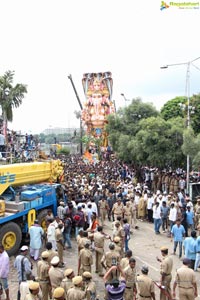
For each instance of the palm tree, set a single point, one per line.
(10, 96)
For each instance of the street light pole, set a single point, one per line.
(188, 64)
(188, 123)
(125, 99)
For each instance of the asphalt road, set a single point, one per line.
(145, 245)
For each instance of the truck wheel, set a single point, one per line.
(11, 237)
(41, 218)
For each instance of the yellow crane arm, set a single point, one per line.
(27, 173)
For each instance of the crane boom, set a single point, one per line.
(77, 96)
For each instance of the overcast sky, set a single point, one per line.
(44, 41)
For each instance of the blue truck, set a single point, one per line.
(22, 203)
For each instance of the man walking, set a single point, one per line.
(103, 210)
(85, 259)
(23, 266)
(145, 285)
(166, 264)
(36, 233)
(43, 275)
(157, 218)
(189, 246)
(186, 281)
(130, 277)
(99, 238)
(60, 242)
(178, 233)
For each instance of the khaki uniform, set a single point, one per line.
(32, 297)
(103, 209)
(166, 183)
(52, 253)
(107, 261)
(121, 234)
(155, 183)
(81, 241)
(197, 214)
(117, 210)
(165, 270)
(171, 185)
(99, 250)
(159, 182)
(56, 275)
(75, 293)
(66, 284)
(43, 278)
(176, 185)
(145, 287)
(59, 243)
(86, 260)
(90, 290)
(185, 278)
(134, 214)
(128, 212)
(118, 248)
(130, 276)
(141, 208)
(124, 262)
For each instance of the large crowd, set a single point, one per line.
(110, 191)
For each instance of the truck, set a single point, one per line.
(27, 192)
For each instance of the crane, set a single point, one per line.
(81, 107)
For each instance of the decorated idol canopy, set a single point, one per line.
(98, 105)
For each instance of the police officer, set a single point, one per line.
(85, 259)
(119, 232)
(145, 285)
(99, 238)
(66, 283)
(76, 292)
(166, 264)
(60, 242)
(34, 289)
(128, 212)
(43, 275)
(51, 252)
(59, 294)
(90, 286)
(116, 241)
(124, 262)
(109, 259)
(186, 281)
(103, 209)
(56, 274)
(130, 277)
(118, 209)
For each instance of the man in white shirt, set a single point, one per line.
(157, 217)
(94, 206)
(172, 215)
(150, 203)
(51, 233)
(189, 203)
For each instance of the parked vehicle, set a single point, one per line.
(27, 191)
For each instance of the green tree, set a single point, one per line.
(195, 113)
(179, 107)
(191, 147)
(127, 119)
(172, 108)
(10, 96)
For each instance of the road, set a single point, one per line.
(145, 245)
